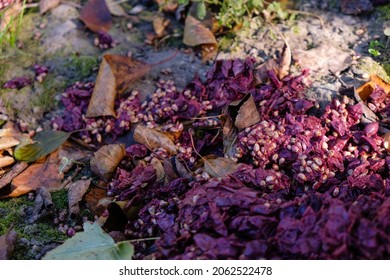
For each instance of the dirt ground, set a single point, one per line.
(333, 45)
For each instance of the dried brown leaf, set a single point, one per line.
(15, 171)
(115, 8)
(75, 195)
(197, 34)
(365, 90)
(126, 70)
(284, 62)
(96, 16)
(243, 112)
(7, 244)
(6, 161)
(157, 165)
(47, 5)
(280, 66)
(220, 167)
(38, 175)
(96, 200)
(380, 82)
(104, 93)
(8, 142)
(386, 141)
(159, 26)
(153, 139)
(69, 154)
(106, 159)
(116, 73)
(229, 136)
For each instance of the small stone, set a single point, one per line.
(360, 32)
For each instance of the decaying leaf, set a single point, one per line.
(8, 142)
(106, 159)
(365, 90)
(160, 23)
(126, 70)
(96, 16)
(157, 165)
(75, 195)
(174, 168)
(43, 205)
(280, 66)
(153, 139)
(47, 5)
(91, 244)
(229, 136)
(220, 167)
(386, 141)
(96, 200)
(6, 161)
(167, 5)
(38, 175)
(197, 34)
(15, 171)
(116, 73)
(324, 58)
(7, 244)
(380, 82)
(243, 112)
(115, 8)
(237, 116)
(44, 143)
(69, 154)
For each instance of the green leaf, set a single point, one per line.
(91, 244)
(201, 13)
(44, 143)
(374, 52)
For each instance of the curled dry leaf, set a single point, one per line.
(237, 116)
(116, 73)
(380, 82)
(115, 8)
(8, 142)
(386, 141)
(159, 25)
(153, 139)
(96, 200)
(280, 66)
(6, 161)
(15, 171)
(7, 244)
(106, 159)
(75, 195)
(96, 16)
(243, 112)
(47, 5)
(38, 175)
(43, 205)
(220, 167)
(157, 165)
(174, 168)
(197, 34)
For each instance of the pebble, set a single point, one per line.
(360, 32)
(136, 9)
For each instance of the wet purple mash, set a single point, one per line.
(310, 187)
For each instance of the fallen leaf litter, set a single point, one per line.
(299, 186)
